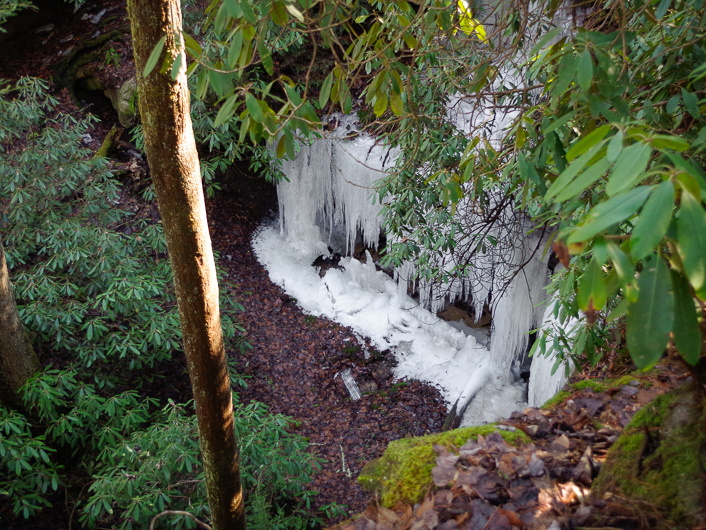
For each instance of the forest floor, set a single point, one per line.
(294, 367)
(296, 359)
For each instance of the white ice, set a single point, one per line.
(330, 199)
(427, 348)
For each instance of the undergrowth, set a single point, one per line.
(93, 288)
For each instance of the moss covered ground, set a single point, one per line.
(403, 473)
(597, 385)
(660, 459)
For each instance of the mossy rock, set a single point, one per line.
(124, 100)
(403, 473)
(660, 459)
(597, 385)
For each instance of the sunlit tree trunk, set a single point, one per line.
(17, 358)
(174, 166)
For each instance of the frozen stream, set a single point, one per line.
(327, 202)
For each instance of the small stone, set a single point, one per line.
(583, 472)
(629, 390)
(561, 444)
(368, 387)
(508, 428)
(95, 19)
(532, 413)
(531, 429)
(536, 466)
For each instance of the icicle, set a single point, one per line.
(542, 383)
(350, 383)
(331, 185)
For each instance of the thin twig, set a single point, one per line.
(165, 513)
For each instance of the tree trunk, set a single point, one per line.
(174, 166)
(17, 358)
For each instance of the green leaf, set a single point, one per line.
(687, 336)
(615, 146)
(281, 148)
(279, 13)
(653, 221)
(584, 180)
(293, 95)
(662, 8)
(233, 8)
(176, 65)
(560, 121)
(584, 75)
(325, 90)
(663, 141)
(236, 47)
(202, 83)
(344, 97)
(650, 317)
(527, 172)
(691, 234)
(609, 213)
(587, 142)
(548, 36)
(253, 106)
(295, 13)
(410, 41)
(219, 83)
(396, 104)
(698, 72)
(191, 45)
(565, 178)
(672, 105)
(691, 103)
(629, 168)
(154, 57)
(265, 57)
(688, 167)
(248, 12)
(226, 111)
(592, 293)
(621, 263)
(566, 71)
(380, 104)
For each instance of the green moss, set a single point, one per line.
(102, 151)
(403, 473)
(597, 385)
(557, 399)
(659, 459)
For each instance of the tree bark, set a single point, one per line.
(17, 358)
(174, 166)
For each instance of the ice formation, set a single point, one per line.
(331, 186)
(329, 198)
(549, 374)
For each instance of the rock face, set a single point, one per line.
(124, 100)
(404, 472)
(659, 461)
(454, 313)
